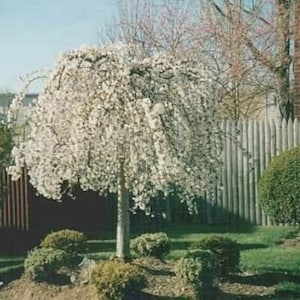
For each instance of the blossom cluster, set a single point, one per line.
(101, 106)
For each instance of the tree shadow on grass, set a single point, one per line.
(265, 279)
(252, 246)
(178, 230)
(180, 245)
(185, 245)
(12, 274)
(288, 294)
(276, 296)
(100, 246)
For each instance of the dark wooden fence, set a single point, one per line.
(14, 209)
(26, 217)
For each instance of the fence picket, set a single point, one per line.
(240, 183)
(284, 129)
(296, 132)
(224, 181)
(246, 171)
(256, 212)
(290, 134)
(234, 174)
(251, 173)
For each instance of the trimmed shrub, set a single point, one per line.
(43, 264)
(200, 269)
(151, 244)
(116, 279)
(71, 241)
(226, 249)
(279, 187)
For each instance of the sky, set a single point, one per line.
(34, 32)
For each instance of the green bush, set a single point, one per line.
(225, 249)
(279, 187)
(43, 264)
(200, 269)
(151, 244)
(71, 241)
(116, 279)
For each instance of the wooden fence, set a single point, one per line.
(248, 148)
(14, 210)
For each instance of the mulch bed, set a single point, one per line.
(162, 284)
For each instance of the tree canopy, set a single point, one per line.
(107, 119)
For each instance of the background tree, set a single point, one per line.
(245, 44)
(112, 122)
(263, 30)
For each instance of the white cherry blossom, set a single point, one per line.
(107, 119)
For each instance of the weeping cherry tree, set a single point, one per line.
(110, 121)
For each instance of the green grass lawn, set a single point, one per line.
(276, 259)
(248, 237)
(11, 267)
(260, 249)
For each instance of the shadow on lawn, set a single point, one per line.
(180, 245)
(265, 279)
(100, 246)
(185, 245)
(252, 246)
(110, 246)
(177, 231)
(12, 274)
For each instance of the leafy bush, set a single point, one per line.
(279, 187)
(116, 279)
(151, 244)
(71, 241)
(200, 269)
(43, 264)
(226, 249)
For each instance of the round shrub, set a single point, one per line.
(200, 269)
(116, 279)
(226, 249)
(151, 244)
(279, 187)
(43, 264)
(71, 241)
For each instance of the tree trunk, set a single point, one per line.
(123, 220)
(285, 97)
(282, 71)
